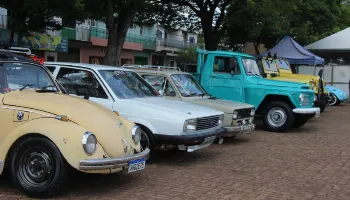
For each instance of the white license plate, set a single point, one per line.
(246, 130)
(317, 114)
(137, 165)
(208, 140)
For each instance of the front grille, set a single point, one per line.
(208, 122)
(243, 113)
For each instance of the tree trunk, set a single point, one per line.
(256, 47)
(117, 30)
(211, 39)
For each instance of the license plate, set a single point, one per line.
(208, 141)
(246, 130)
(137, 165)
(317, 114)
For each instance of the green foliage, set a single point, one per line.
(187, 56)
(266, 22)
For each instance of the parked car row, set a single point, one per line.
(102, 119)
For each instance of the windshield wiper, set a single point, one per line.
(25, 86)
(44, 89)
(191, 95)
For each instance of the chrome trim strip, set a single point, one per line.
(111, 163)
(9, 108)
(1, 166)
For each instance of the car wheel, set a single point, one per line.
(334, 100)
(300, 120)
(148, 141)
(37, 167)
(278, 116)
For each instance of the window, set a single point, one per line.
(270, 65)
(283, 64)
(17, 75)
(160, 82)
(91, 22)
(51, 69)
(251, 67)
(226, 65)
(50, 58)
(141, 30)
(187, 85)
(80, 83)
(127, 84)
(192, 40)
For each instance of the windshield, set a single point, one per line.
(187, 85)
(250, 66)
(127, 84)
(283, 64)
(270, 65)
(15, 76)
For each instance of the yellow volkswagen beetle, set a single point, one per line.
(44, 131)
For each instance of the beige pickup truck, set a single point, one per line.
(174, 84)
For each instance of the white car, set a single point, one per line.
(164, 122)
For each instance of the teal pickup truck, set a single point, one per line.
(235, 76)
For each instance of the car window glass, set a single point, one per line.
(80, 83)
(17, 75)
(160, 82)
(270, 65)
(51, 69)
(226, 65)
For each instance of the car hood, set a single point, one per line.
(304, 77)
(155, 105)
(282, 83)
(93, 117)
(218, 104)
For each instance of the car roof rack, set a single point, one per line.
(159, 68)
(18, 50)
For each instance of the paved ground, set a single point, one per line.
(309, 163)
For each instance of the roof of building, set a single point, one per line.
(339, 42)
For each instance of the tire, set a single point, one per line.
(300, 120)
(148, 140)
(334, 100)
(278, 116)
(37, 167)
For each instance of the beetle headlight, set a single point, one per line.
(190, 125)
(136, 134)
(221, 120)
(89, 143)
(252, 112)
(235, 115)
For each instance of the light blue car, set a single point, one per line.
(337, 95)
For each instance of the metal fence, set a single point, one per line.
(336, 75)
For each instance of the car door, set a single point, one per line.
(85, 84)
(226, 79)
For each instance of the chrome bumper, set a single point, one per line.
(235, 130)
(315, 111)
(111, 163)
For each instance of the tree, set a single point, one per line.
(189, 55)
(266, 22)
(118, 16)
(26, 16)
(205, 15)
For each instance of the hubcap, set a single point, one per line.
(35, 167)
(333, 100)
(277, 117)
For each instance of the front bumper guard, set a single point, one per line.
(235, 130)
(112, 163)
(315, 111)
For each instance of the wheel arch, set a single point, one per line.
(273, 97)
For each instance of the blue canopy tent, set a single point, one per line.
(296, 54)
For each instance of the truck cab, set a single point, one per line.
(235, 76)
(278, 68)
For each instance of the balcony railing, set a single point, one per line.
(167, 42)
(3, 21)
